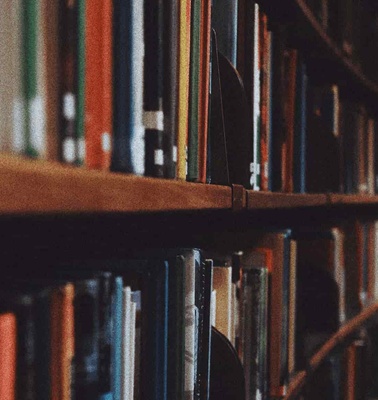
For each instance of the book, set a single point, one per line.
(62, 341)
(128, 153)
(8, 348)
(222, 285)
(153, 116)
(183, 87)
(68, 110)
(170, 87)
(254, 318)
(98, 84)
(12, 118)
(194, 92)
(116, 357)
(203, 121)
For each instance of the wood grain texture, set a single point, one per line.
(338, 338)
(274, 200)
(42, 187)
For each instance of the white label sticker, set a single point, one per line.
(174, 154)
(37, 124)
(69, 106)
(18, 126)
(159, 157)
(106, 142)
(69, 150)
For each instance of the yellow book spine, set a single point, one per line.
(183, 97)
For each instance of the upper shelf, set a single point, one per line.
(309, 35)
(39, 187)
(29, 186)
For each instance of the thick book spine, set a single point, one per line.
(153, 88)
(128, 51)
(8, 348)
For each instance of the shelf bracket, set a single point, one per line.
(239, 197)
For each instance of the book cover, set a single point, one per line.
(8, 349)
(116, 356)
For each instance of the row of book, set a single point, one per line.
(184, 90)
(175, 323)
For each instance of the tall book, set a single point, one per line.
(98, 84)
(128, 152)
(153, 88)
(194, 92)
(183, 88)
(62, 342)
(8, 348)
(254, 320)
(12, 119)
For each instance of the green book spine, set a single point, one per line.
(194, 91)
(30, 16)
(80, 83)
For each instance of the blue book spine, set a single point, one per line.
(117, 341)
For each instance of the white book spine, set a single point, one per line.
(126, 343)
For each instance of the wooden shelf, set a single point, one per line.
(42, 187)
(30, 187)
(338, 338)
(271, 200)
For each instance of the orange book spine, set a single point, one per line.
(98, 84)
(204, 87)
(62, 342)
(8, 350)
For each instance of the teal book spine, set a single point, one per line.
(117, 340)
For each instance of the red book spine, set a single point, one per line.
(98, 84)
(7, 356)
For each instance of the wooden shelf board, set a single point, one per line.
(29, 186)
(339, 337)
(271, 200)
(353, 199)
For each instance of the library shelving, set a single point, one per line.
(214, 263)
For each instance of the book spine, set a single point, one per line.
(193, 154)
(183, 98)
(86, 305)
(170, 89)
(62, 342)
(98, 84)
(68, 54)
(153, 88)
(80, 120)
(117, 338)
(204, 89)
(8, 347)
